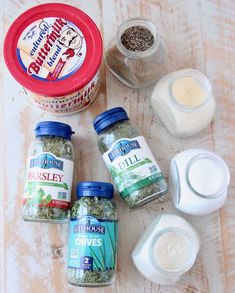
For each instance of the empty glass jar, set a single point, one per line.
(138, 56)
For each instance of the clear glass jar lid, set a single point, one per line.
(207, 175)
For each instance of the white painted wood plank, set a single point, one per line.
(198, 34)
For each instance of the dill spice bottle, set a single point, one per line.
(49, 176)
(128, 158)
(92, 254)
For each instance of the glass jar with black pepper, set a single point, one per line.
(92, 253)
(49, 175)
(138, 55)
(128, 158)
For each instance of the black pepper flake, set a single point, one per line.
(137, 39)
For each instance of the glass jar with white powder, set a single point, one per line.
(184, 102)
(167, 250)
(199, 181)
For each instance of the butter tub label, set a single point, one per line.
(75, 102)
(132, 165)
(48, 181)
(92, 244)
(51, 49)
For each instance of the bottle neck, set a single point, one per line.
(51, 137)
(142, 22)
(110, 126)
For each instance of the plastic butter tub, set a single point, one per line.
(54, 51)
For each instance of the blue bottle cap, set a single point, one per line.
(53, 128)
(108, 118)
(93, 188)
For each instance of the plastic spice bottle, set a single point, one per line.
(92, 255)
(167, 250)
(128, 158)
(49, 176)
(138, 55)
(199, 181)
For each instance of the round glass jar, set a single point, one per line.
(137, 69)
(54, 51)
(92, 255)
(184, 102)
(167, 250)
(128, 158)
(49, 176)
(199, 181)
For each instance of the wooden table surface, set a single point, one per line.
(198, 34)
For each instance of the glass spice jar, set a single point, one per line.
(49, 176)
(167, 250)
(138, 55)
(184, 102)
(128, 158)
(199, 181)
(92, 254)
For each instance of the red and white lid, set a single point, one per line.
(53, 49)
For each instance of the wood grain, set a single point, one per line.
(198, 34)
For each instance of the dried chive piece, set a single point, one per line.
(137, 39)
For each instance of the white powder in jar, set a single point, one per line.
(188, 92)
(172, 251)
(206, 176)
(167, 250)
(184, 102)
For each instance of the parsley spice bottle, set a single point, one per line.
(127, 156)
(49, 174)
(92, 254)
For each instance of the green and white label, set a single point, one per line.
(48, 181)
(132, 165)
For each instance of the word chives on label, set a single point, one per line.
(92, 255)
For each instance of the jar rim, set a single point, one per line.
(187, 265)
(220, 164)
(137, 21)
(200, 78)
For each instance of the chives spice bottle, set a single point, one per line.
(49, 176)
(92, 254)
(128, 158)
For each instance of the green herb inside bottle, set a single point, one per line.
(93, 236)
(129, 159)
(49, 174)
